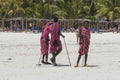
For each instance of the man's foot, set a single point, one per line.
(43, 62)
(54, 64)
(76, 66)
(47, 62)
(52, 60)
(85, 65)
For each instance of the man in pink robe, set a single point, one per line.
(55, 42)
(84, 42)
(44, 41)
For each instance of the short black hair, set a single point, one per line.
(55, 19)
(86, 22)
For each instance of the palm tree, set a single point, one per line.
(69, 8)
(37, 9)
(3, 8)
(16, 9)
(109, 8)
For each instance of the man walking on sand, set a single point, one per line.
(44, 40)
(55, 42)
(84, 42)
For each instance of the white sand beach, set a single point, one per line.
(20, 52)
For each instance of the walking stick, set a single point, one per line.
(39, 61)
(67, 52)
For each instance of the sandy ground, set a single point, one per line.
(19, 54)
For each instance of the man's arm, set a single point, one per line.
(61, 34)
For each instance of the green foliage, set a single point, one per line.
(91, 17)
(64, 8)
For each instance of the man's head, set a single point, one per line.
(55, 19)
(86, 23)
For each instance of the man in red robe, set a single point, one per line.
(84, 42)
(55, 42)
(44, 42)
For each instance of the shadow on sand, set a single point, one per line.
(5, 61)
(63, 65)
(92, 65)
(66, 65)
